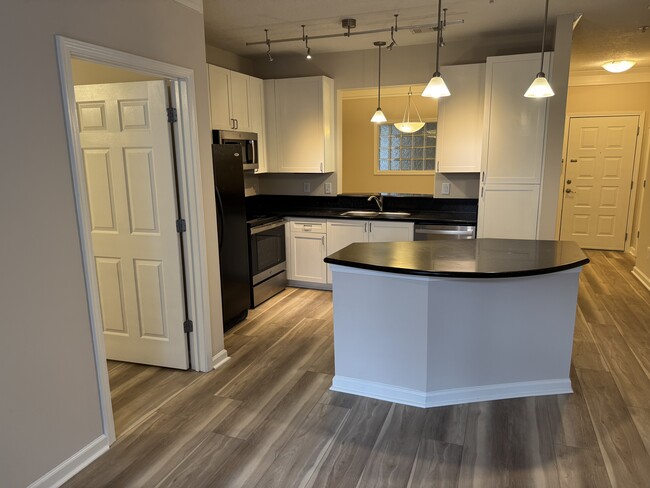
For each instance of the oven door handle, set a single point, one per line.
(263, 228)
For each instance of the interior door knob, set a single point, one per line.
(568, 190)
(568, 182)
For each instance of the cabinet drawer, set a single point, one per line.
(317, 227)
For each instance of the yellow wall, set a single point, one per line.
(359, 145)
(89, 73)
(601, 99)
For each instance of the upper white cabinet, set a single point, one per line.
(256, 106)
(229, 99)
(300, 125)
(513, 142)
(513, 148)
(460, 120)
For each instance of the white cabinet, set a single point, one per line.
(300, 125)
(229, 99)
(342, 233)
(256, 105)
(307, 250)
(460, 120)
(513, 148)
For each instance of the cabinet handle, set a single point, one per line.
(370, 225)
(236, 124)
(482, 188)
(322, 239)
(232, 123)
(322, 170)
(365, 227)
(483, 176)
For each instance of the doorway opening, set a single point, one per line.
(134, 154)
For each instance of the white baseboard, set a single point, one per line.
(427, 399)
(632, 251)
(307, 284)
(220, 358)
(71, 466)
(642, 277)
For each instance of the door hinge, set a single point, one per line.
(631, 184)
(188, 326)
(172, 115)
(644, 183)
(638, 130)
(638, 234)
(181, 226)
(626, 236)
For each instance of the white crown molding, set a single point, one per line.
(193, 4)
(602, 77)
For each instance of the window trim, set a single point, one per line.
(392, 172)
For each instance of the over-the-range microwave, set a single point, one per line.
(247, 141)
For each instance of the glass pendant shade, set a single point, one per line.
(618, 66)
(406, 125)
(436, 88)
(539, 88)
(378, 117)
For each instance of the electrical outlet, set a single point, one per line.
(446, 188)
(328, 188)
(306, 187)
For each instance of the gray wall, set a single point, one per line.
(49, 403)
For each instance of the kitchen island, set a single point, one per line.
(431, 323)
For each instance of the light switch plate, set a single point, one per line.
(328, 188)
(446, 188)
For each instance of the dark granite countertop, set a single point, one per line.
(472, 258)
(422, 209)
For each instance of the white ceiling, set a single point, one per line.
(608, 29)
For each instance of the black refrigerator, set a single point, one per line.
(232, 232)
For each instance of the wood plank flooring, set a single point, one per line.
(267, 418)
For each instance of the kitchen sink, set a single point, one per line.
(370, 214)
(360, 213)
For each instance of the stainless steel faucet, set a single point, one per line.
(379, 200)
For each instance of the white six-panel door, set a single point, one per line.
(126, 147)
(597, 186)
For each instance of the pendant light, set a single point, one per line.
(540, 88)
(379, 116)
(406, 125)
(437, 87)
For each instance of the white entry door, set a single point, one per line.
(127, 154)
(598, 178)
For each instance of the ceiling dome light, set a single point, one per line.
(539, 88)
(619, 66)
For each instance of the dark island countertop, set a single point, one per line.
(471, 258)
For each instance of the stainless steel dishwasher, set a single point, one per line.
(430, 232)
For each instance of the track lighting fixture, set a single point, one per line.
(393, 29)
(268, 45)
(437, 87)
(379, 116)
(540, 87)
(306, 39)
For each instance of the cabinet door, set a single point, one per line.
(307, 254)
(513, 142)
(460, 120)
(342, 233)
(256, 107)
(299, 121)
(219, 98)
(270, 127)
(239, 110)
(382, 231)
(508, 212)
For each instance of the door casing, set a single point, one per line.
(190, 196)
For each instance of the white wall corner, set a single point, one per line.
(219, 359)
(71, 466)
(193, 4)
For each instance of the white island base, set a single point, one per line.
(429, 341)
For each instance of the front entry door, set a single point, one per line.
(598, 178)
(125, 140)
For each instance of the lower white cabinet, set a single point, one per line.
(508, 211)
(342, 233)
(306, 251)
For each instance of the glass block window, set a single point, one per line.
(398, 151)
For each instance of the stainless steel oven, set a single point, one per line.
(267, 259)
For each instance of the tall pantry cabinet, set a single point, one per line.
(513, 148)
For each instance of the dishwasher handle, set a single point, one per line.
(445, 232)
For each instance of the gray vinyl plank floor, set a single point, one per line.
(266, 418)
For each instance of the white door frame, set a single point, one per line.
(635, 169)
(191, 202)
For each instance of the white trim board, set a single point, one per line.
(220, 358)
(642, 277)
(193, 4)
(441, 398)
(190, 201)
(71, 466)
